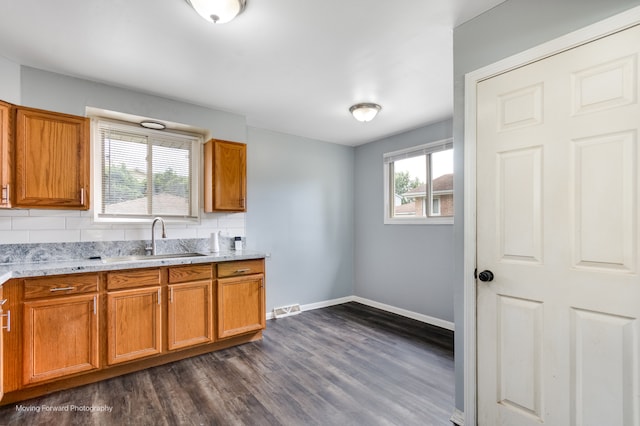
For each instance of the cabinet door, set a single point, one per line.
(52, 160)
(225, 176)
(13, 341)
(190, 314)
(5, 155)
(240, 305)
(60, 337)
(134, 324)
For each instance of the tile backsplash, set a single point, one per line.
(67, 226)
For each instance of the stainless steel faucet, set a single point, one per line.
(153, 234)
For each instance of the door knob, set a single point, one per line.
(486, 276)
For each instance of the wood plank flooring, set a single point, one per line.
(348, 364)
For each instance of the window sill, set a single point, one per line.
(124, 220)
(419, 221)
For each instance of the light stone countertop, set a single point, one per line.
(76, 266)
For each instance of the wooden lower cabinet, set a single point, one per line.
(241, 306)
(134, 324)
(60, 337)
(80, 328)
(190, 314)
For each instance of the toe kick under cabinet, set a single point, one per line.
(63, 331)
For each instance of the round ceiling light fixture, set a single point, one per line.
(218, 11)
(147, 124)
(365, 111)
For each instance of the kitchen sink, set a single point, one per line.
(138, 257)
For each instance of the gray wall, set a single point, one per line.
(509, 28)
(405, 266)
(300, 195)
(9, 81)
(56, 92)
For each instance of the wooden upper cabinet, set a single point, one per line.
(52, 160)
(5, 154)
(225, 176)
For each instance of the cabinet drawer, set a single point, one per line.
(60, 285)
(181, 274)
(133, 278)
(241, 267)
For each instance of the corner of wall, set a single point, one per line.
(9, 81)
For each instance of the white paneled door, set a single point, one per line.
(557, 218)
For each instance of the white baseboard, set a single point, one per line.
(405, 313)
(327, 303)
(457, 418)
(448, 325)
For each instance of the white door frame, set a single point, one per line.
(600, 29)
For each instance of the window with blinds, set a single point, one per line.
(418, 184)
(145, 173)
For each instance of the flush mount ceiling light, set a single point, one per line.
(218, 11)
(365, 111)
(152, 125)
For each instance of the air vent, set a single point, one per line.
(286, 311)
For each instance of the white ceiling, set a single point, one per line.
(293, 66)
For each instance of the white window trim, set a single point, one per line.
(396, 155)
(96, 151)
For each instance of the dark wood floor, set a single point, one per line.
(343, 365)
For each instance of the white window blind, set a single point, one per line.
(146, 173)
